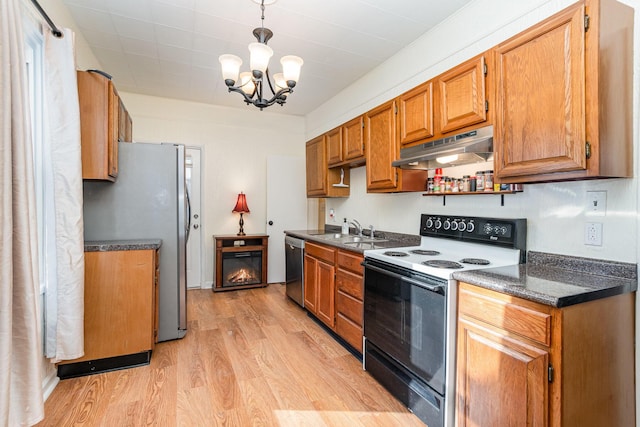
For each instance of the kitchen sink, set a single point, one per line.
(350, 239)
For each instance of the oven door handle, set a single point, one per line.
(437, 289)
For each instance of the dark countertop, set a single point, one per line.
(327, 237)
(121, 245)
(557, 280)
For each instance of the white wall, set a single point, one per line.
(555, 212)
(235, 145)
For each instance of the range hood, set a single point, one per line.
(465, 148)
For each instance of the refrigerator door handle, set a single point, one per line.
(186, 192)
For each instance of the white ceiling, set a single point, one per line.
(170, 48)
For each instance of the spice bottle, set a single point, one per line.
(480, 181)
(465, 183)
(429, 185)
(488, 180)
(472, 183)
(437, 180)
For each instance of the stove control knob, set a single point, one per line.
(447, 224)
(470, 227)
(429, 222)
(462, 226)
(503, 230)
(438, 223)
(454, 225)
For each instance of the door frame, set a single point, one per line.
(203, 283)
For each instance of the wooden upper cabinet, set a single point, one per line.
(564, 97)
(334, 146)
(104, 121)
(462, 96)
(353, 140)
(383, 147)
(345, 144)
(320, 178)
(416, 114)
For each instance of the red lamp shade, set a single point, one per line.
(241, 208)
(241, 204)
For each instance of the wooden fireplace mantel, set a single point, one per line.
(235, 243)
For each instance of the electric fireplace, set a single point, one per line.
(241, 262)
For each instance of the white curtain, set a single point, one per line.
(21, 401)
(64, 245)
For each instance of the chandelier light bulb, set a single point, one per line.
(279, 80)
(260, 55)
(246, 83)
(291, 66)
(230, 67)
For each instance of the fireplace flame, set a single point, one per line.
(242, 276)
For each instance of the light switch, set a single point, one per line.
(596, 203)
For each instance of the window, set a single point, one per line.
(34, 44)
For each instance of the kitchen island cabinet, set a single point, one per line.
(564, 97)
(524, 363)
(120, 306)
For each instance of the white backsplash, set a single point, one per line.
(556, 213)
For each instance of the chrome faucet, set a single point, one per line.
(357, 226)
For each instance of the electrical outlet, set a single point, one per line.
(593, 234)
(596, 203)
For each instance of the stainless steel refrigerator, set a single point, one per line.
(148, 201)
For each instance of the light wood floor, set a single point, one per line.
(250, 358)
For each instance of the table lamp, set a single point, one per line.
(241, 208)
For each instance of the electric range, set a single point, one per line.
(410, 306)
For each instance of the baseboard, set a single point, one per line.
(49, 383)
(207, 285)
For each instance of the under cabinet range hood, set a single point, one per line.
(470, 147)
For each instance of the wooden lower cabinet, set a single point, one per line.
(349, 296)
(334, 289)
(120, 303)
(521, 363)
(319, 282)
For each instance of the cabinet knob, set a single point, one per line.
(270, 223)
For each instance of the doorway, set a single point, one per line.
(193, 178)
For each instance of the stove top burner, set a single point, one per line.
(441, 263)
(475, 261)
(424, 252)
(396, 253)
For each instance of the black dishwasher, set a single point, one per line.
(294, 275)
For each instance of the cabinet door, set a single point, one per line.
(310, 283)
(462, 95)
(316, 167)
(540, 118)
(416, 114)
(325, 281)
(112, 132)
(382, 147)
(353, 139)
(500, 381)
(334, 146)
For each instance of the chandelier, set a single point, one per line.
(253, 85)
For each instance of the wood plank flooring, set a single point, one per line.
(250, 358)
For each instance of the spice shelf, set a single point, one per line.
(472, 193)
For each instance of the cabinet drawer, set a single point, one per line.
(350, 261)
(349, 331)
(321, 252)
(520, 317)
(350, 283)
(349, 307)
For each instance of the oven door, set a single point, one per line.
(405, 317)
